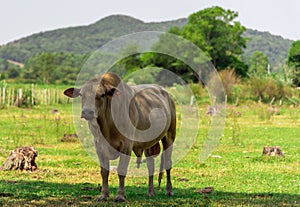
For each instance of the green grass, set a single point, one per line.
(240, 175)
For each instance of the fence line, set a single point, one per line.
(30, 95)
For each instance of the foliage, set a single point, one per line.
(181, 93)
(58, 68)
(129, 64)
(80, 40)
(200, 93)
(294, 61)
(86, 39)
(9, 71)
(169, 63)
(215, 31)
(294, 54)
(266, 88)
(285, 74)
(258, 64)
(229, 78)
(57, 56)
(274, 47)
(143, 76)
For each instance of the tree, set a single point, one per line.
(294, 61)
(129, 64)
(258, 64)
(215, 31)
(40, 67)
(55, 68)
(3, 65)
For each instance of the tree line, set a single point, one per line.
(45, 68)
(214, 30)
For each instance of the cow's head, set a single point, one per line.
(96, 94)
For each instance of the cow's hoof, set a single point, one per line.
(150, 194)
(120, 199)
(102, 198)
(169, 193)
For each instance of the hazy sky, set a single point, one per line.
(20, 18)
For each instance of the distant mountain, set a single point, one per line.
(84, 39)
(275, 47)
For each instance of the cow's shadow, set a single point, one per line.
(40, 193)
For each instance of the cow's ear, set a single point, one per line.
(113, 92)
(72, 92)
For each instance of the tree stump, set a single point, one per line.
(273, 151)
(22, 158)
(70, 138)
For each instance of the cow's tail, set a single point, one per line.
(161, 169)
(138, 162)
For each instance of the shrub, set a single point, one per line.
(198, 91)
(181, 93)
(229, 78)
(266, 88)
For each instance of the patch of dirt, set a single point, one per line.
(70, 138)
(206, 190)
(273, 151)
(6, 195)
(182, 179)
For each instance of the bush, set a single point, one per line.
(229, 78)
(181, 93)
(143, 76)
(266, 88)
(198, 91)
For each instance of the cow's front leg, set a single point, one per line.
(122, 171)
(104, 191)
(100, 144)
(104, 163)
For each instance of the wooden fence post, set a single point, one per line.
(20, 95)
(45, 96)
(3, 96)
(32, 94)
(8, 97)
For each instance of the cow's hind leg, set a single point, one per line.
(150, 166)
(168, 147)
(161, 169)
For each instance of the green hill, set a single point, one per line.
(275, 47)
(84, 39)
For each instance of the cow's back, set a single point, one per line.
(153, 99)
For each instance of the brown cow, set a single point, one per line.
(126, 118)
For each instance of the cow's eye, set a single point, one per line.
(100, 96)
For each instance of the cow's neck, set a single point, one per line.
(107, 122)
(105, 119)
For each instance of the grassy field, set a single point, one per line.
(237, 171)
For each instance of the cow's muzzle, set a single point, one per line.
(88, 114)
